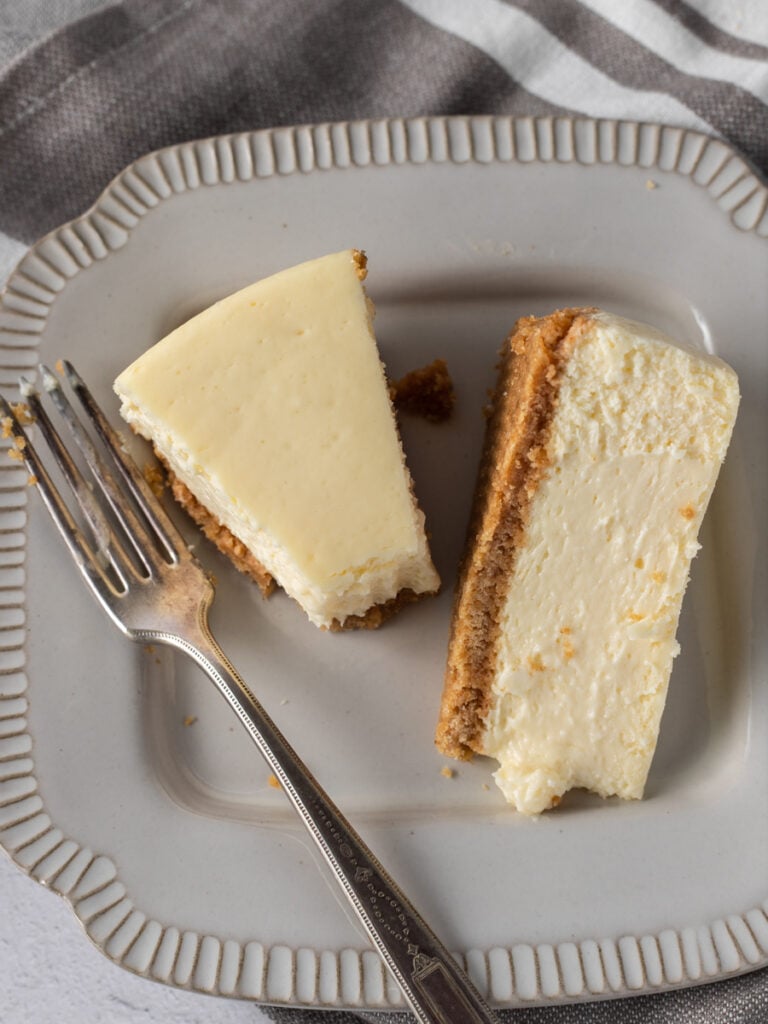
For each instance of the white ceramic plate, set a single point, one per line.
(179, 858)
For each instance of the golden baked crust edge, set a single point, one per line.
(512, 465)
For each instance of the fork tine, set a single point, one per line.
(143, 542)
(107, 543)
(167, 532)
(82, 553)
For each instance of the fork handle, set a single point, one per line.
(436, 988)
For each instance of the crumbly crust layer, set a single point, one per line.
(378, 614)
(512, 465)
(221, 536)
(361, 263)
(243, 560)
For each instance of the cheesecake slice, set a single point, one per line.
(271, 412)
(601, 453)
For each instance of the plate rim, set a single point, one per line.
(524, 974)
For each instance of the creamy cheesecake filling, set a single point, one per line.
(584, 635)
(579, 691)
(272, 408)
(510, 470)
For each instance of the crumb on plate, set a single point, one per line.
(426, 392)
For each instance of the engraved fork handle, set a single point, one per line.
(436, 988)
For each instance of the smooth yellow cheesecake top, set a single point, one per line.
(272, 407)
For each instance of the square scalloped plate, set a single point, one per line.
(126, 785)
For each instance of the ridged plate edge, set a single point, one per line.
(523, 974)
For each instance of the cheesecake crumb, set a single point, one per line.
(190, 720)
(426, 392)
(155, 478)
(274, 782)
(59, 366)
(31, 480)
(447, 773)
(651, 184)
(23, 413)
(149, 648)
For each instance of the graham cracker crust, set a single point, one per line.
(512, 465)
(243, 560)
(378, 614)
(220, 535)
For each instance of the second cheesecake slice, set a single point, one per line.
(601, 454)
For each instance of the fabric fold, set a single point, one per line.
(135, 75)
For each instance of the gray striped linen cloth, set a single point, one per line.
(87, 86)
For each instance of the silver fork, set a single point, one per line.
(142, 573)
